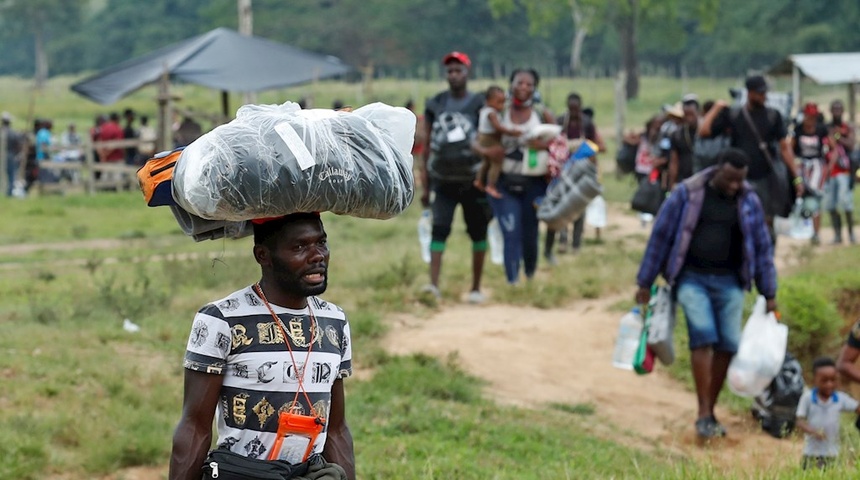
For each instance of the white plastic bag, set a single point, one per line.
(275, 160)
(661, 335)
(595, 213)
(760, 354)
(796, 225)
(425, 234)
(496, 241)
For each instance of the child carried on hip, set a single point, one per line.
(490, 131)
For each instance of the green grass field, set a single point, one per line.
(81, 398)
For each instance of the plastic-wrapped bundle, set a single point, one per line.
(275, 160)
(568, 196)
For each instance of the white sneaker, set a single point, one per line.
(476, 297)
(432, 289)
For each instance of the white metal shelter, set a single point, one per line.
(823, 69)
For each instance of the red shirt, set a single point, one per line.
(843, 130)
(112, 131)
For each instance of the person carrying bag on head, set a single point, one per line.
(268, 362)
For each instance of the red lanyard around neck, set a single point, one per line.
(300, 373)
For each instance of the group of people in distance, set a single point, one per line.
(713, 237)
(819, 155)
(27, 150)
(502, 187)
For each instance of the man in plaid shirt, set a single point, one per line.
(710, 242)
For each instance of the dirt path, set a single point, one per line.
(532, 358)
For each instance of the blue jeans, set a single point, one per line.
(11, 173)
(838, 194)
(713, 305)
(518, 220)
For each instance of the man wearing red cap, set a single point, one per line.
(809, 143)
(451, 119)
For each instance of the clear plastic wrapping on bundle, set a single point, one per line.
(276, 160)
(568, 196)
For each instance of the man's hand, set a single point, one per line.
(720, 104)
(643, 296)
(799, 189)
(770, 305)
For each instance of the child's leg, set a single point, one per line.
(495, 169)
(482, 173)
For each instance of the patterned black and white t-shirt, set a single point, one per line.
(237, 337)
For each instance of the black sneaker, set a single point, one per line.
(718, 427)
(706, 427)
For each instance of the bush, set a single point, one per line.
(811, 316)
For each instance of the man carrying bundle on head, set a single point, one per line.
(268, 362)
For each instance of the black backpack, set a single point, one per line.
(776, 407)
(451, 137)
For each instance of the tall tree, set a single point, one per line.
(623, 16)
(38, 18)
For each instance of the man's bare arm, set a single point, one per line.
(338, 446)
(708, 121)
(846, 363)
(193, 434)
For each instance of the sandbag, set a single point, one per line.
(276, 160)
(568, 196)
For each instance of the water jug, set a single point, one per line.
(629, 333)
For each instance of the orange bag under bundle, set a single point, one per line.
(156, 176)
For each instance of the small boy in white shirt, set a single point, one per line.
(818, 415)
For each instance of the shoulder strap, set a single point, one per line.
(761, 145)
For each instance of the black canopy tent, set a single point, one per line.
(221, 59)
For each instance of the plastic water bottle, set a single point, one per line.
(425, 228)
(629, 332)
(496, 241)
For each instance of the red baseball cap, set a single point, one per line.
(457, 57)
(810, 109)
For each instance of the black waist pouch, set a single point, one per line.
(223, 464)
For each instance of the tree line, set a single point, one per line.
(407, 38)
